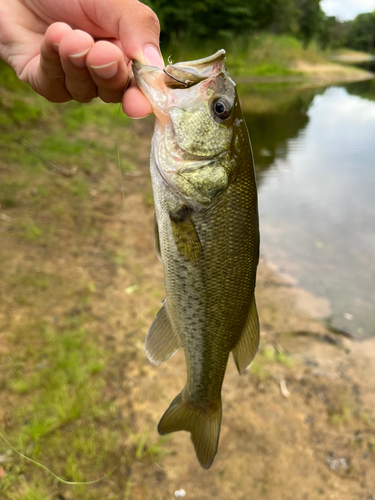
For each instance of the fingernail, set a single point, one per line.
(79, 59)
(56, 46)
(106, 71)
(139, 117)
(153, 56)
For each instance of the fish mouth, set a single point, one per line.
(188, 72)
(156, 83)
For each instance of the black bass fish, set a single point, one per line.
(206, 236)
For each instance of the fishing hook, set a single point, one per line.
(176, 79)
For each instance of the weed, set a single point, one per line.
(21, 112)
(30, 231)
(270, 353)
(126, 165)
(258, 370)
(143, 449)
(9, 80)
(9, 193)
(148, 197)
(78, 115)
(371, 444)
(342, 409)
(79, 188)
(31, 492)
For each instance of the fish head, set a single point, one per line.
(197, 123)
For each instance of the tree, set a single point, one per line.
(310, 19)
(333, 33)
(361, 35)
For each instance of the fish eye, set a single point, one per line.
(222, 108)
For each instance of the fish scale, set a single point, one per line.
(207, 238)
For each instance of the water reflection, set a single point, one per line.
(316, 166)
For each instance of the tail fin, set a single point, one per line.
(202, 423)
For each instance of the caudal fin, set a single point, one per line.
(202, 423)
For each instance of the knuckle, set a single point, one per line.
(83, 95)
(149, 19)
(55, 91)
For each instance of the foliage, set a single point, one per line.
(361, 35)
(190, 23)
(223, 19)
(333, 33)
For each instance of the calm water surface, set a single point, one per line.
(315, 161)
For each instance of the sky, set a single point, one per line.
(345, 10)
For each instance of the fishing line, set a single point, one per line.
(60, 479)
(137, 290)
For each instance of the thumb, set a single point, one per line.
(139, 32)
(130, 21)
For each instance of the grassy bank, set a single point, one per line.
(267, 57)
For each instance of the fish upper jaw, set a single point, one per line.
(150, 80)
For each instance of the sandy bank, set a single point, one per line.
(316, 74)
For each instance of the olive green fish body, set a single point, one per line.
(207, 238)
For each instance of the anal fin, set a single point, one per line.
(161, 341)
(247, 346)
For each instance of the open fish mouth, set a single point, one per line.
(155, 83)
(185, 73)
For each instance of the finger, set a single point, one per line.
(134, 103)
(74, 48)
(108, 70)
(133, 23)
(139, 35)
(50, 76)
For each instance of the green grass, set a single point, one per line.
(97, 114)
(62, 385)
(65, 421)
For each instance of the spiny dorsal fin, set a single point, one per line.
(203, 424)
(247, 346)
(186, 237)
(157, 238)
(161, 341)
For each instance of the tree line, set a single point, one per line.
(189, 20)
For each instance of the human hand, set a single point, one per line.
(80, 49)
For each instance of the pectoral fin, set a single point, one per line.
(161, 341)
(247, 346)
(186, 238)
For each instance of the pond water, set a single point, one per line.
(315, 159)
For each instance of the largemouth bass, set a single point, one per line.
(206, 236)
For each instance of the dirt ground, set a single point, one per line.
(300, 424)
